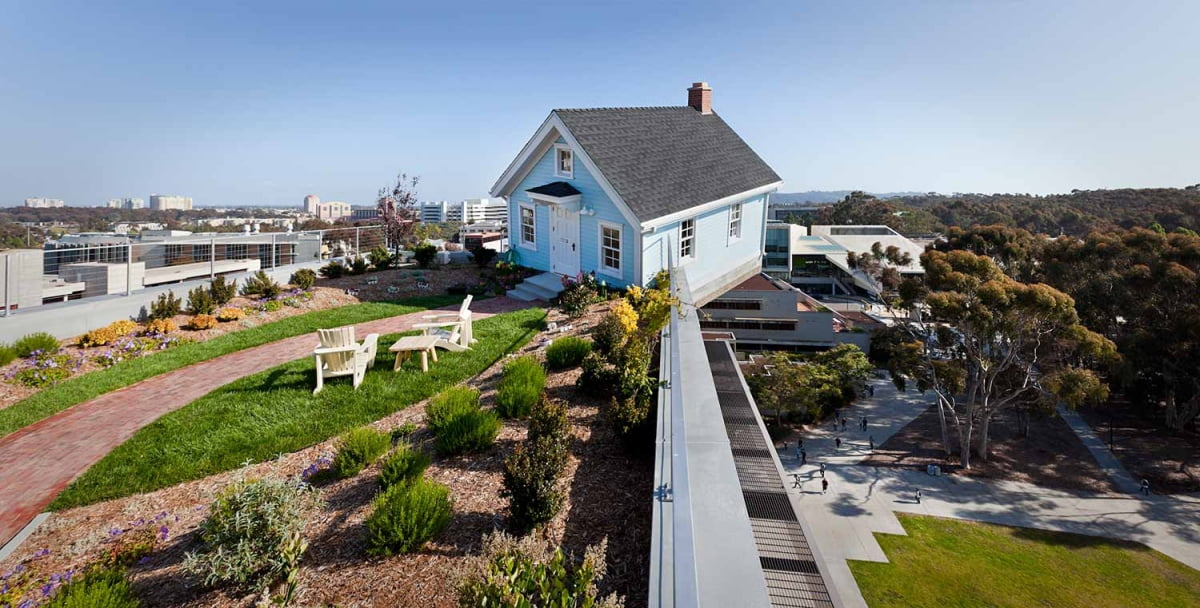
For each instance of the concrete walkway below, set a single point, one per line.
(38, 461)
(1104, 457)
(862, 500)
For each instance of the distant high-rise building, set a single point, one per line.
(162, 202)
(468, 211)
(310, 203)
(44, 202)
(126, 203)
(332, 210)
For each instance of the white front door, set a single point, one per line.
(564, 241)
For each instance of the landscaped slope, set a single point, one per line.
(944, 562)
(77, 390)
(262, 415)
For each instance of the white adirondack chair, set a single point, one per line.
(338, 354)
(453, 329)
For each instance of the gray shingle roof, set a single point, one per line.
(664, 160)
(559, 189)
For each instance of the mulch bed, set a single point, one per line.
(1051, 456)
(609, 497)
(1169, 459)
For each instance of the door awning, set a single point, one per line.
(557, 193)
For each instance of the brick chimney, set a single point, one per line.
(700, 97)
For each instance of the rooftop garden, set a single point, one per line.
(515, 469)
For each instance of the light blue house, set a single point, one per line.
(621, 191)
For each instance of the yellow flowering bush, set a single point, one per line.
(626, 316)
(230, 314)
(123, 327)
(160, 326)
(199, 322)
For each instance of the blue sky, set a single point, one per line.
(264, 102)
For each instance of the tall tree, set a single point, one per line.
(983, 342)
(1140, 288)
(398, 209)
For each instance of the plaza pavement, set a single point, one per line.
(862, 499)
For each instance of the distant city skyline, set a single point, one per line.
(261, 104)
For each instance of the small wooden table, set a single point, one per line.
(406, 346)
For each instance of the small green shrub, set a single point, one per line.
(567, 352)
(98, 588)
(7, 354)
(577, 296)
(599, 377)
(424, 255)
(520, 387)
(167, 305)
(272, 306)
(407, 516)
(403, 467)
(405, 430)
(252, 535)
(381, 258)
(262, 285)
(304, 278)
(469, 432)
(532, 473)
(359, 265)
(483, 256)
(333, 270)
(358, 448)
(525, 572)
(200, 302)
(222, 291)
(40, 342)
(448, 404)
(608, 335)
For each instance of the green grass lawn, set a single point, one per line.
(82, 388)
(946, 562)
(274, 412)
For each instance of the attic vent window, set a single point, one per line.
(564, 162)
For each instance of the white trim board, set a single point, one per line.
(541, 142)
(709, 206)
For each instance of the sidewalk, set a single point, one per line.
(40, 460)
(1104, 457)
(863, 500)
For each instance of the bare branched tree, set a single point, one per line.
(398, 210)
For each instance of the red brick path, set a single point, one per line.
(38, 461)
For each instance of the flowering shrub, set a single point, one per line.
(509, 274)
(101, 587)
(46, 370)
(317, 469)
(125, 348)
(228, 314)
(578, 293)
(271, 306)
(252, 535)
(159, 326)
(108, 334)
(200, 322)
(37, 342)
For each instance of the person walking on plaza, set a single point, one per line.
(837, 443)
(1145, 488)
(918, 495)
(872, 440)
(824, 485)
(822, 470)
(798, 450)
(803, 457)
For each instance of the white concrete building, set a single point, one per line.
(126, 203)
(817, 262)
(467, 211)
(162, 202)
(44, 203)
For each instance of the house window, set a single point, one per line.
(564, 162)
(735, 221)
(610, 248)
(687, 239)
(528, 227)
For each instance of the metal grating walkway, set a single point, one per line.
(792, 577)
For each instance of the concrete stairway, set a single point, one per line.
(544, 286)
